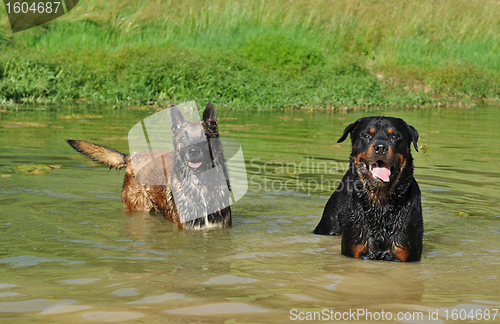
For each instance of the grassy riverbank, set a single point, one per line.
(255, 54)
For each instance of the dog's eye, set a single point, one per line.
(367, 136)
(396, 136)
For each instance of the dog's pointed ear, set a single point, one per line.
(348, 130)
(176, 119)
(413, 135)
(210, 118)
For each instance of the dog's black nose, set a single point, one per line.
(380, 148)
(194, 151)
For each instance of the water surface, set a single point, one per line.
(69, 252)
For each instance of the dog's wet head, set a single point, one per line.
(190, 143)
(380, 150)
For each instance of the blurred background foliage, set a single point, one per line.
(258, 54)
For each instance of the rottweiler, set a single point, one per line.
(377, 206)
(182, 196)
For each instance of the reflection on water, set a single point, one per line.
(70, 253)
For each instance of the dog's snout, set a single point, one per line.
(380, 148)
(193, 151)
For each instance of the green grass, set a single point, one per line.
(258, 54)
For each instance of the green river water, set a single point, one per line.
(70, 253)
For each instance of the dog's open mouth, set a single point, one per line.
(380, 170)
(194, 165)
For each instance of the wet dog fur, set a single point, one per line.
(377, 206)
(193, 154)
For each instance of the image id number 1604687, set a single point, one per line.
(477, 314)
(33, 7)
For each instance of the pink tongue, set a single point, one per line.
(383, 173)
(194, 165)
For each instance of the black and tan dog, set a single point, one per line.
(184, 194)
(377, 206)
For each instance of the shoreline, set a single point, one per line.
(148, 76)
(253, 55)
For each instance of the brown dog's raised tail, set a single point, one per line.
(102, 154)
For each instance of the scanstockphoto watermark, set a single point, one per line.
(26, 14)
(174, 148)
(432, 315)
(309, 166)
(310, 176)
(357, 315)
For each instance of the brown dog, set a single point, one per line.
(181, 197)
